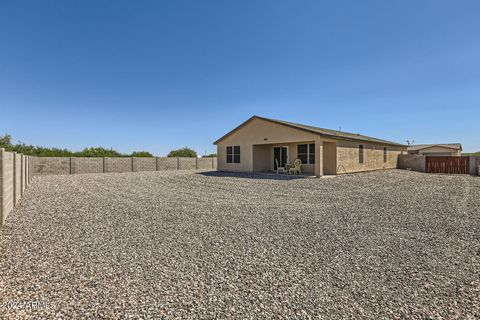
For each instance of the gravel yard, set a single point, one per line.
(178, 244)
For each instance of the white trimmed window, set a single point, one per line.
(306, 153)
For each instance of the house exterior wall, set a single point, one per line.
(258, 137)
(263, 156)
(348, 156)
(438, 151)
(329, 158)
(255, 133)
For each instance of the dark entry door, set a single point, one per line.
(281, 154)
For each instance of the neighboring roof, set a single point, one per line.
(316, 130)
(456, 146)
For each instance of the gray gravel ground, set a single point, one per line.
(391, 244)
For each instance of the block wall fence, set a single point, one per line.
(75, 165)
(419, 163)
(16, 172)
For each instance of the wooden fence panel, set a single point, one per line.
(451, 165)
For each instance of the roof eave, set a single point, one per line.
(438, 145)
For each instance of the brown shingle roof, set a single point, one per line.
(317, 130)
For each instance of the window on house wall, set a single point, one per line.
(306, 153)
(236, 154)
(302, 152)
(311, 153)
(233, 154)
(384, 154)
(361, 157)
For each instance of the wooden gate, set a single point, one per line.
(459, 165)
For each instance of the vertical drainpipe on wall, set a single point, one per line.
(156, 163)
(71, 165)
(132, 164)
(196, 163)
(103, 169)
(178, 163)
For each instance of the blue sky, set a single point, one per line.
(157, 75)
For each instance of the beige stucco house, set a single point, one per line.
(254, 145)
(445, 149)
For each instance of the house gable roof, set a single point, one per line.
(415, 147)
(315, 130)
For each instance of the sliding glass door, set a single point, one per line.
(281, 155)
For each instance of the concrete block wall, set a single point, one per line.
(205, 163)
(30, 169)
(118, 165)
(74, 165)
(144, 164)
(6, 182)
(52, 165)
(412, 162)
(14, 168)
(17, 177)
(87, 165)
(187, 163)
(165, 163)
(24, 172)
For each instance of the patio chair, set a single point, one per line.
(297, 167)
(280, 169)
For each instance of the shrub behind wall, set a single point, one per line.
(6, 142)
